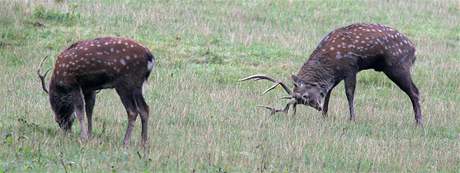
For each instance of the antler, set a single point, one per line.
(285, 110)
(43, 76)
(259, 77)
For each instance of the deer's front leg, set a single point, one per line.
(326, 100)
(350, 83)
(90, 100)
(79, 105)
(326, 103)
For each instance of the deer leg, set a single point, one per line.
(350, 84)
(143, 110)
(326, 101)
(326, 104)
(128, 102)
(404, 81)
(294, 109)
(90, 100)
(79, 105)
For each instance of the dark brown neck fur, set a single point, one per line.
(320, 72)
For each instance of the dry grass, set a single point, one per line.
(202, 119)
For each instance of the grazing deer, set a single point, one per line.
(91, 65)
(340, 56)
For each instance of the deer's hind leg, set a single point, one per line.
(143, 110)
(127, 98)
(402, 78)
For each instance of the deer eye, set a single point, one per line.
(322, 94)
(305, 97)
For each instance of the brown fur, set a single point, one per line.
(348, 50)
(91, 65)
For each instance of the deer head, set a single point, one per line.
(60, 100)
(310, 94)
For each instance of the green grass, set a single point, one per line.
(202, 119)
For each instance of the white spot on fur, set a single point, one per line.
(338, 55)
(122, 61)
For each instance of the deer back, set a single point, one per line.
(361, 46)
(100, 62)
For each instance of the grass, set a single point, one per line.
(202, 119)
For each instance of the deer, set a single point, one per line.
(340, 55)
(86, 67)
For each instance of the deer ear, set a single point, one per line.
(297, 80)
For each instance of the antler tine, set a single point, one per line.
(272, 110)
(285, 110)
(42, 77)
(287, 97)
(259, 77)
(269, 89)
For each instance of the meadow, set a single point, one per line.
(202, 119)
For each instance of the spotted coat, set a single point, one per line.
(344, 52)
(90, 65)
(88, 62)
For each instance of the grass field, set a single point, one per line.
(202, 119)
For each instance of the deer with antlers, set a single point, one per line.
(91, 65)
(340, 56)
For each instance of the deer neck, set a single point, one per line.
(319, 73)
